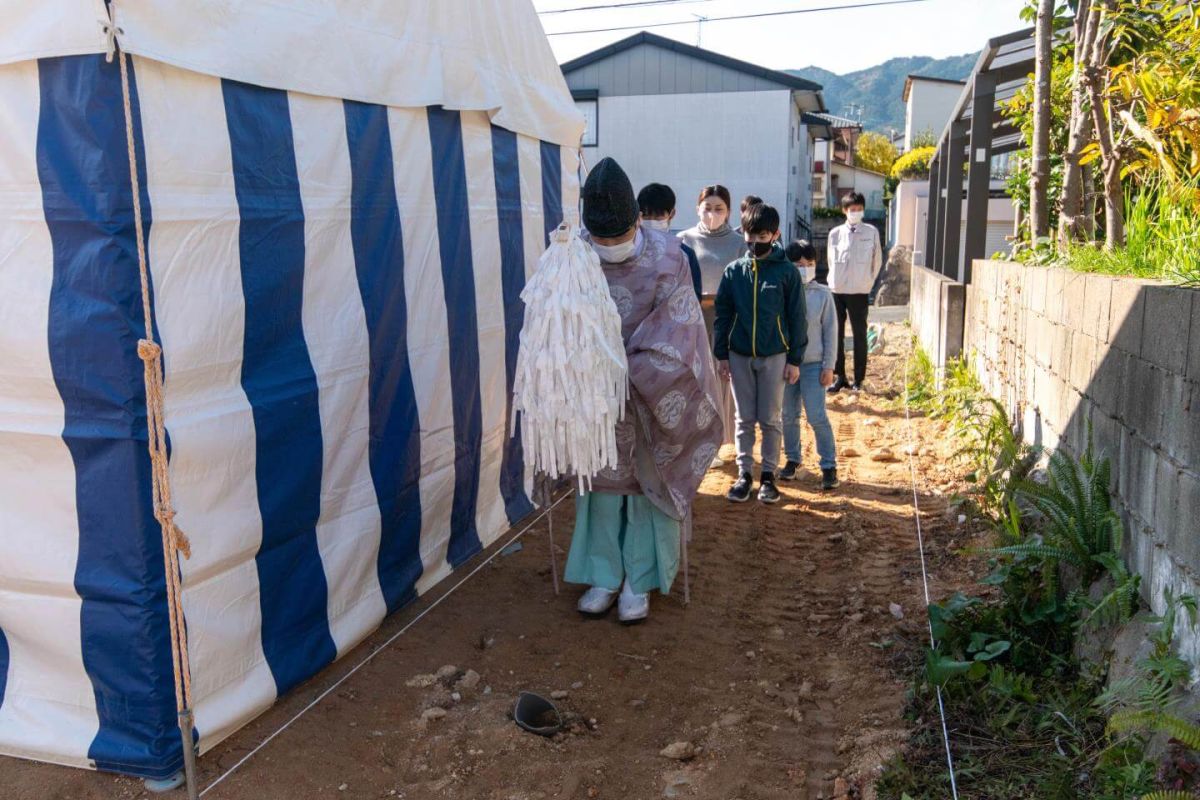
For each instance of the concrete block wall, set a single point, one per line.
(937, 306)
(1066, 352)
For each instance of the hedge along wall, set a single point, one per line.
(1064, 349)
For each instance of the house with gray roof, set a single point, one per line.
(688, 117)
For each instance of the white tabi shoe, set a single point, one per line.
(596, 601)
(632, 608)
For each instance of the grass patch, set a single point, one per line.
(1026, 719)
(1162, 228)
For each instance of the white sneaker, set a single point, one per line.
(596, 601)
(632, 607)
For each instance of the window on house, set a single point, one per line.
(589, 109)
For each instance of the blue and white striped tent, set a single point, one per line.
(343, 201)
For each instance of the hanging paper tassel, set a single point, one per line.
(571, 382)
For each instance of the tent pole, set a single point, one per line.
(545, 498)
(189, 753)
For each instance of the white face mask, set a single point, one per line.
(854, 217)
(712, 219)
(663, 225)
(809, 273)
(617, 253)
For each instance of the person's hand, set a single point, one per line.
(791, 373)
(723, 370)
(826, 378)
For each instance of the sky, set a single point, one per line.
(841, 41)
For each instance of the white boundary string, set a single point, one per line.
(381, 647)
(912, 467)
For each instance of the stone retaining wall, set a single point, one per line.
(1069, 351)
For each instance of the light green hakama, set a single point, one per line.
(623, 535)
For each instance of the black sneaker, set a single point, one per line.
(767, 493)
(788, 473)
(857, 388)
(740, 492)
(838, 385)
(829, 479)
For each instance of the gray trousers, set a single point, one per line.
(758, 396)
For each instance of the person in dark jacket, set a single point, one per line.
(656, 202)
(760, 333)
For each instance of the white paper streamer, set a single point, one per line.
(572, 376)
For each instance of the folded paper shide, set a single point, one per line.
(571, 382)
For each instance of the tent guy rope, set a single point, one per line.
(175, 543)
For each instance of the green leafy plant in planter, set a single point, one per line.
(828, 212)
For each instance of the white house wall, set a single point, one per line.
(689, 141)
(910, 214)
(930, 105)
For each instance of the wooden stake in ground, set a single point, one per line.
(1039, 209)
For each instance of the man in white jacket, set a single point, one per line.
(855, 258)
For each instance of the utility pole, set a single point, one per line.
(699, 28)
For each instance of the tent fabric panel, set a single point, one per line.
(428, 335)
(48, 706)
(253, 243)
(486, 243)
(335, 331)
(466, 55)
(458, 283)
(279, 380)
(94, 325)
(393, 427)
(507, 171)
(50, 28)
(200, 311)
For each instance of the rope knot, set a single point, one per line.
(111, 32)
(179, 540)
(148, 350)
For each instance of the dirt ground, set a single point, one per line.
(785, 676)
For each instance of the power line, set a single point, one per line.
(636, 4)
(740, 16)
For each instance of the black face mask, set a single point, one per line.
(759, 249)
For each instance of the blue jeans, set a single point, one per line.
(808, 392)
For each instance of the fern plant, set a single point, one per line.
(1183, 731)
(1077, 507)
(1146, 699)
(1001, 461)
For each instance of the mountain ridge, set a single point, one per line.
(878, 89)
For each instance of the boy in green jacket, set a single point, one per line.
(759, 337)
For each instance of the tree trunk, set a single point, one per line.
(1071, 221)
(1095, 79)
(1039, 209)
(1087, 223)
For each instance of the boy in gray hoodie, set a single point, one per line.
(816, 373)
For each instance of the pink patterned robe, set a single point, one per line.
(671, 429)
